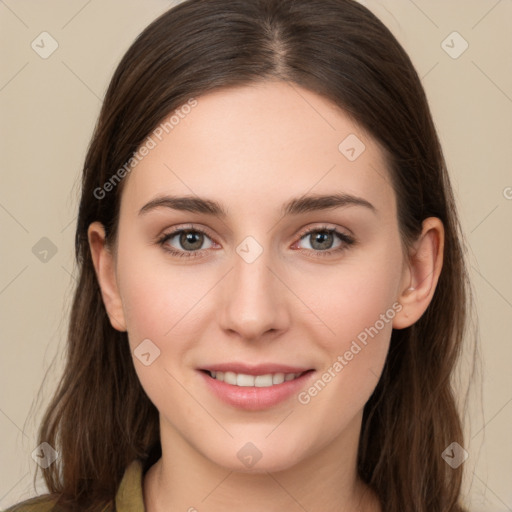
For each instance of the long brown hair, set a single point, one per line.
(100, 418)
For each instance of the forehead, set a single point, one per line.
(260, 144)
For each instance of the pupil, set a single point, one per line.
(322, 237)
(188, 237)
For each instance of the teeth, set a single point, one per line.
(259, 381)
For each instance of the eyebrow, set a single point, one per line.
(296, 206)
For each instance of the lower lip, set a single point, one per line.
(254, 398)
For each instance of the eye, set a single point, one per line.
(326, 241)
(186, 243)
(189, 242)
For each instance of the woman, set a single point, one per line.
(272, 292)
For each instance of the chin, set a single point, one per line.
(258, 457)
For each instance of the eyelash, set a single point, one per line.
(346, 240)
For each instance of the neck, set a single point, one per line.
(327, 481)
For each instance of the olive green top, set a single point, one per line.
(129, 496)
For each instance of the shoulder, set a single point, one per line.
(47, 503)
(129, 497)
(44, 503)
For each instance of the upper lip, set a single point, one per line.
(258, 369)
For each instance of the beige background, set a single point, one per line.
(48, 110)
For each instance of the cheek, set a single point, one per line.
(161, 304)
(357, 308)
(158, 297)
(352, 297)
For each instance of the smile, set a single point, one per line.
(258, 381)
(255, 388)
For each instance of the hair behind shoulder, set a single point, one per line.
(100, 417)
(53, 503)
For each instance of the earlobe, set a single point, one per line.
(103, 261)
(421, 273)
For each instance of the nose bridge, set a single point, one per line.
(253, 299)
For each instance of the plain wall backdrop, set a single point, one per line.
(57, 59)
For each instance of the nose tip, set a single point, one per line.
(253, 302)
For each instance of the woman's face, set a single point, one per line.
(248, 290)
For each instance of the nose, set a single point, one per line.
(254, 300)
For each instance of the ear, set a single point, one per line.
(104, 265)
(421, 273)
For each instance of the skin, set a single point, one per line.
(252, 149)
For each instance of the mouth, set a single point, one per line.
(255, 388)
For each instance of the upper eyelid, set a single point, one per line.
(180, 229)
(324, 227)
